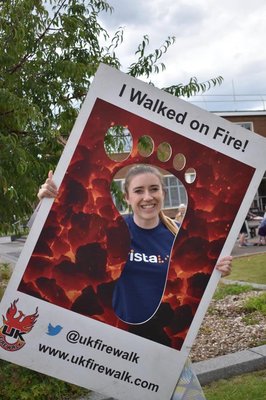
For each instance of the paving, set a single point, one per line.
(252, 248)
(233, 364)
(10, 251)
(221, 367)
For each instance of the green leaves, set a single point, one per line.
(148, 64)
(48, 59)
(193, 87)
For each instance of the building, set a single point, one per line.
(256, 122)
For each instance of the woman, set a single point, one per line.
(140, 287)
(181, 211)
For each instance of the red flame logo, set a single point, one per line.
(15, 325)
(22, 322)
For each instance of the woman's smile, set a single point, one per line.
(148, 205)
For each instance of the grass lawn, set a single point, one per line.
(243, 387)
(249, 269)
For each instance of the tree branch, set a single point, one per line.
(6, 113)
(28, 55)
(17, 132)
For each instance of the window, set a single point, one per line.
(246, 125)
(175, 192)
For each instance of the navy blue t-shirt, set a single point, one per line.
(140, 287)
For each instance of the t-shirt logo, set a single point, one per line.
(142, 257)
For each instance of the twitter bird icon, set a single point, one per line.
(53, 330)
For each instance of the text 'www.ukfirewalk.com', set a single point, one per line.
(92, 365)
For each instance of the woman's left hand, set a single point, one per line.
(224, 265)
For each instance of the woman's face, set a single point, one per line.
(145, 196)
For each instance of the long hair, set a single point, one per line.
(149, 169)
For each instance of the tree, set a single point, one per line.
(50, 51)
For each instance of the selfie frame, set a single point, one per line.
(78, 244)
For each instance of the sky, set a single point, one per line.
(213, 38)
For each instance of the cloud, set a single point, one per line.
(212, 39)
(126, 13)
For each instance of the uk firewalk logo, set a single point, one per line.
(15, 325)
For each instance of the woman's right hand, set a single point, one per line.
(48, 189)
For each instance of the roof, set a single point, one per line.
(239, 113)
